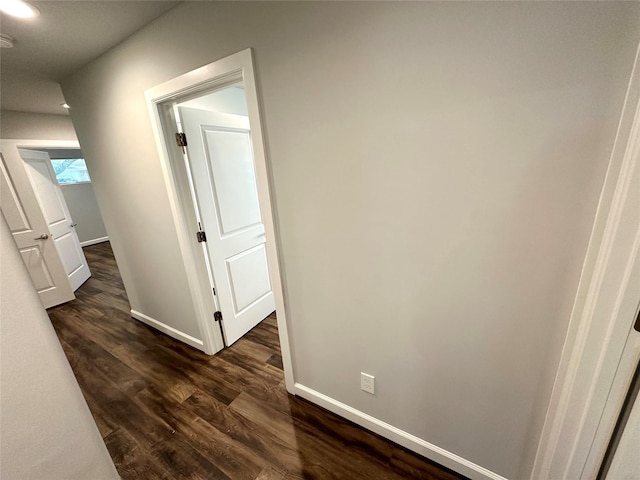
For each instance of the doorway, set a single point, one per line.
(209, 136)
(39, 219)
(77, 189)
(61, 228)
(219, 157)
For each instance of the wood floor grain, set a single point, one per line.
(168, 411)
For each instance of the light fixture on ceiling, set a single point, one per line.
(5, 41)
(18, 8)
(65, 105)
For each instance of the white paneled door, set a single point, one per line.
(220, 157)
(29, 229)
(58, 221)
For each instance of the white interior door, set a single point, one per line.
(29, 229)
(221, 162)
(56, 214)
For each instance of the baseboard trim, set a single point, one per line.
(172, 332)
(407, 440)
(86, 243)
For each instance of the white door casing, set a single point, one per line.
(226, 71)
(625, 464)
(601, 348)
(56, 214)
(220, 157)
(26, 221)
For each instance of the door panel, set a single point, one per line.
(68, 253)
(12, 207)
(220, 158)
(25, 219)
(56, 214)
(44, 186)
(249, 276)
(234, 180)
(36, 264)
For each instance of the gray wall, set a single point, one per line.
(85, 212)
(36, 126)
(436, 169)
(47, 429)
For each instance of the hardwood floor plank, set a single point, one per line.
(142, 466)
(321, 450)
(321, 422)
(167, 411)
(264, 443)
(266, 336)
(122, 447)
(128, 380)
(275, 360)
(177, 455)
(275, 422)
(271, 473)
(247, 348)
(255, 367)
(119, 409)
(265, 390)
(153, 366)
(204, 377)
(103, 326)
(233, 458)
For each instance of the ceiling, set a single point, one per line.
(64, 37)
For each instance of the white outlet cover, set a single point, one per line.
(367, 383)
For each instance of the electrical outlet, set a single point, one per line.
(367, 383)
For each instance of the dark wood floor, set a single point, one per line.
(166, 410)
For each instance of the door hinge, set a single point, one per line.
(181, 140)
(217, 316)
(200, 235)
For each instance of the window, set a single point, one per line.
(70, 170)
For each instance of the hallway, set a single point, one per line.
(168, 411)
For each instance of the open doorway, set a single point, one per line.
(74, 180)
(216, 135)
(38, 215)
(209, 136)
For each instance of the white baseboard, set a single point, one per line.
(86, 243)
(172, 332)
(413, 443)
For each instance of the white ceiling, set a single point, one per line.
(64, 37)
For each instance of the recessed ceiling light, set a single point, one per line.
(65, 105)
(18, 8)
(5, 41)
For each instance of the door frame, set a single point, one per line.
(594, 375)
(218, 74)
